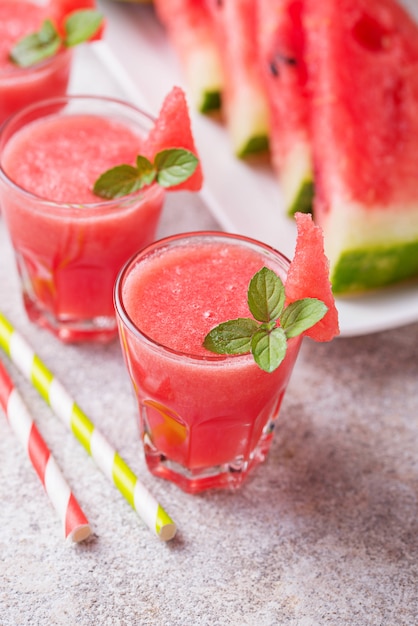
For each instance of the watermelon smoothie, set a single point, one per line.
(21, 86)
(205, 420)
(70, 244)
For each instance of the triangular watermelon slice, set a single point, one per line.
(363, 61)
(59, 10)
(281, 45)
(172, 129)
(244, 99)
(190, 29)
(308, 277)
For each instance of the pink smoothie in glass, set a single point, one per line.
(206, 418)
(69, 243)
(21, 86)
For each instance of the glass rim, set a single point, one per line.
(123, 316)
(69, 206)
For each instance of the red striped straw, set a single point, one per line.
(76, 525)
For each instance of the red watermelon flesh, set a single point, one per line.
(308, 276)
(366, 78)
(363, 63)
(244, 98)
(59, 10)
(172, 129)
(281, 45)
(190, 28)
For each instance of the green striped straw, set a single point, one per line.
(107, 459)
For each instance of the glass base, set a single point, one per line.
(229, 475)
(101, 329)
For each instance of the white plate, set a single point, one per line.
(244, 198)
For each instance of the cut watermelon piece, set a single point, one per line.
(281, 45)
(244, 99)
(59, 10)
(190, 29)
(363, 60)
(308, 277)
(172, 129)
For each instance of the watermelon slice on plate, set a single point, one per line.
(244, 99)
(190, 29)
(308, 277)
(172, 129)
(363, 61)
(281, 45)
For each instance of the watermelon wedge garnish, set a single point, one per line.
(167, 156)
(60, 10)
(281, 49)
(172, 129)
(59, 24)
(308, 277)
(303, 306)
(190, 28)
(363, 64)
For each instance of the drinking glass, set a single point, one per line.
(205, 420)
(68, 253)
(20, 86)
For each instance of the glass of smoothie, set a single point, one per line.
(69, 243)
(205, 420)
(20, 86)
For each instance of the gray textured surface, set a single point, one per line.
(325, 532)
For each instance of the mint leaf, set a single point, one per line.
(146, 170)
(262, 336)
(170, 167)
(269, 347)
(174, 166)
(36, 47)
(80, 26)
(119, 181)
(233, 337)
(301, 315)
(266, 295)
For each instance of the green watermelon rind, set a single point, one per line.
(250, 145)
(369, 247)
(373, 267)
(295, 173)
(204, 78)
(248, 121)
(254, 145)
(303, 200)
(209, 101)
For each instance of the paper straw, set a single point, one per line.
(76, 525)
(107, 459)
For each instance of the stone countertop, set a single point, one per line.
(324, 532)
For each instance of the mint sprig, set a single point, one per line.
(262, 336)
(78, 27)
(36, 47)
(169, 168)
(81, 26)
